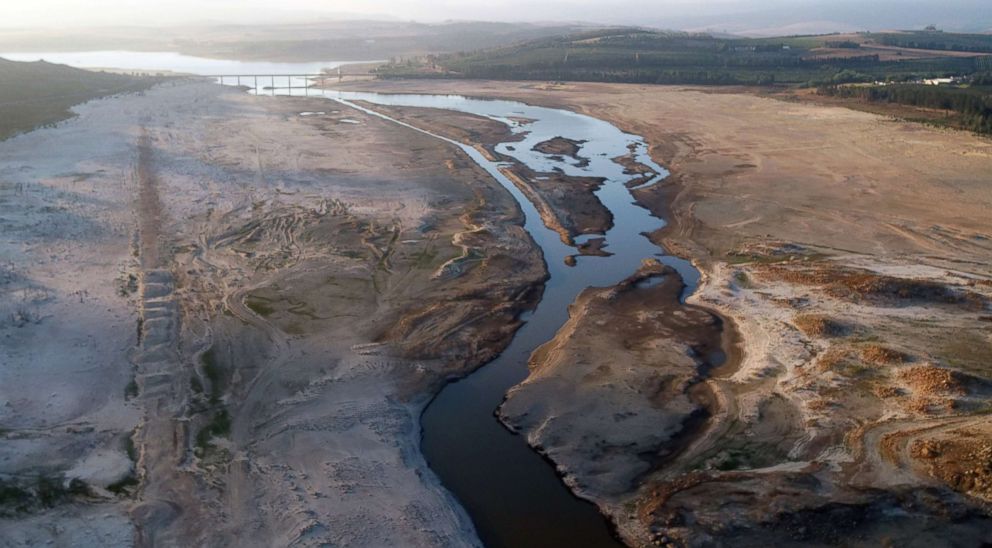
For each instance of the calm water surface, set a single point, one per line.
(169, 61)
(513, 495)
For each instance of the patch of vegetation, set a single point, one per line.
(854, 370)
(968, 350)
(771, 254)
(295, 328)
(658, 57)
(43, 492)
(123, 486)
(131, 390)
(130, 449)
(935, 40)
(818, 325)
(425, 258)
(881, 355)
(857, 285)
(461, 263)
(219, 426)
(14, 498)
(744, 456)
(259, 305)
(39, 94)
(741, 279)
(833, 359)
(214, 373)
(352, 254)
(127, 285)
(51, 491)
(842, 44)
(301, 308)
(971, 106)
(883, 391)
(927, 380)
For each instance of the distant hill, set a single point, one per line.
(40, 93)
(782, 17)
(297, 42)
(648, 56)
(361, 40)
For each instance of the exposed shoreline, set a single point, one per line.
(859, 385)
(691, 429)
(754, 252)
(262, 253)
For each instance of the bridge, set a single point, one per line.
(263, 82)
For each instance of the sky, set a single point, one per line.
(681, 14)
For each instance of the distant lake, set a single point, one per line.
(161, 61)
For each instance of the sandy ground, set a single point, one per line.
(67, 319)
(265, 299)
(222, 318)
(567, 204)
(752, 168)
(850, 252)
(598, 418)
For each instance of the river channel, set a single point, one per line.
(513, 495)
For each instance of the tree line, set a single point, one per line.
(972, 106)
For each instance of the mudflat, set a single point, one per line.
(225, 314)
(752, 167)
(849, 254)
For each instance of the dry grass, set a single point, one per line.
(927, 380)
(880, 355)
(968, 350)
(925, 405)
(856, 285)
(819, 405)
(883, 391)
(832, 359)
(964, 461)
(818, 325)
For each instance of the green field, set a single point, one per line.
(941, 41)
(38, 94)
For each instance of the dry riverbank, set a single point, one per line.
(283, 295)
(221, 319)
(851, 251)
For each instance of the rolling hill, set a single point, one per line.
(647, 56)
(40, 93)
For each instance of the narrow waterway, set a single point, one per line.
(513, 495)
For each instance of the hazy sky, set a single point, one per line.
(975, 14)
(41, 12)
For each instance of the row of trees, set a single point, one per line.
(937, 41)
(639, 76)
(973, 107)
